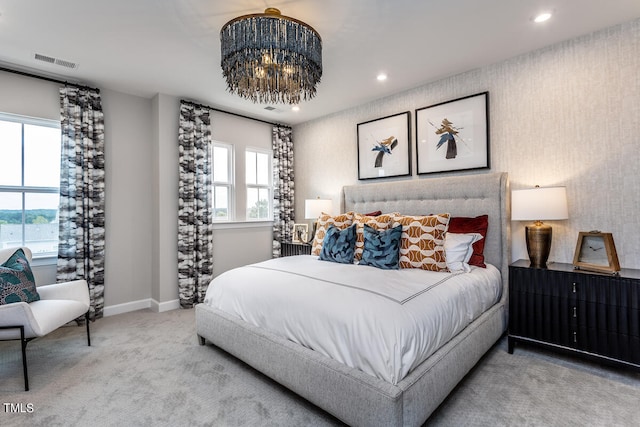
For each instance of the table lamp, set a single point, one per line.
(538, 204)
(313, 208)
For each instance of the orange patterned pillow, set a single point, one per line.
(379, 222)
(341, 221)
(422, 244)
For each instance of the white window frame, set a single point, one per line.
(268, 186)
(23, 189)
(229, 184)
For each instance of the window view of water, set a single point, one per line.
(29, 181)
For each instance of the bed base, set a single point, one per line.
(349, 394)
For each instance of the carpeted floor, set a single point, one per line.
(147, 369)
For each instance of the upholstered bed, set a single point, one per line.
(350, 394)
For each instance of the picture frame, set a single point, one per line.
(453, 135)
(300, 233)
(596, 251)
(384, 147)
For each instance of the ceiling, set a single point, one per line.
(144, 47)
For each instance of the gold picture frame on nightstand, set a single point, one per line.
(300, 233)
(595, 251)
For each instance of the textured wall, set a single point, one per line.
(565, 115)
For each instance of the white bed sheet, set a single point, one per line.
(383, 322)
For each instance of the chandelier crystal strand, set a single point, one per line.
(270, 58)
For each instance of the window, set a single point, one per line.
(222, 181)
(29, 181)
(258, 179)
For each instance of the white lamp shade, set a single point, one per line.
(314, 207)
(539, 204)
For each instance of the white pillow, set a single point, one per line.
(458, 249)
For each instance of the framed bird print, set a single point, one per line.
(384, 147)
(453, 135)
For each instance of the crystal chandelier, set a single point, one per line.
(271, 58)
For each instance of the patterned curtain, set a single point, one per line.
(81, 213)
(195, 216)
(283, 201)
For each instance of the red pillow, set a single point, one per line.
(376, 213)
(478, 224)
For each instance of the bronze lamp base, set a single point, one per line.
(538, 236)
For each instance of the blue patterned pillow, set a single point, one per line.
(16, 280)
(382, 247)
(339, 245)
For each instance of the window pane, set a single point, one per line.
(11, 149)
(10, 219)
(220, 164)
(41, 156)
(257, 203)
(220, 202)
(263, 168)
(263, 203)
(252, 203)
(251, 168)
(41, 222)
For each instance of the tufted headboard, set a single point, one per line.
(467, 195)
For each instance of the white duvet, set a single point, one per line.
(383, 322)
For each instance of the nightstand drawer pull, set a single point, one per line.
(575, 312)
(575, 337)
(574, 287)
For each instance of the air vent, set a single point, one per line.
(273, 109)
(67, 64)
(45, 58)
(56, 61)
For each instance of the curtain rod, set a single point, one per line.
(49, 79)
(195, 104)
(81, 86)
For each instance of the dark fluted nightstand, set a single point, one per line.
(593, 314)
(291, 249)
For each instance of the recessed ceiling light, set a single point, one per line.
(542, 17)
(382, 77)
(295, 108)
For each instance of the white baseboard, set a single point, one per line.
(150, 303)
(159, 307)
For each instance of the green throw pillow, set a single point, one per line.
(16, 280)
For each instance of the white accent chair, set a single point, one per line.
(59, 304)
